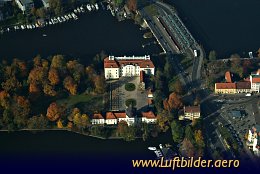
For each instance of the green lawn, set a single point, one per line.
(85, 102)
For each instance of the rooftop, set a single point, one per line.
(236, 114)
(98, 116)
(110, 115)
(255, 78)
(225, 85)
(228, 77)
(149, 115)
(114, 63)
(243, 85)
(191, 109)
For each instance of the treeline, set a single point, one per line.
(28, 88)
(168, 92)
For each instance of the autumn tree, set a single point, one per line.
(21, 110)
(132, 5)
(187, 148)
(11, 84)
(163, 120)
(125, 131)
(178, 88)
(199, 138)
(40, 12)
(49, 90)
(57, 62)
(38, 75)
(53, 76)
(70, 85)
(100, 84)
(54, 112)
(76, 70)
(4, 99)
(173, 102)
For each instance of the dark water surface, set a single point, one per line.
(227, 26)
(82, 39)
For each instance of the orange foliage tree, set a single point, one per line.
(53, 76)
(132, 5)
(70, 85)
(53, 112)
(173, 102)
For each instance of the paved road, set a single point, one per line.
(168, 45)
(197, 62)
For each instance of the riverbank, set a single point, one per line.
(63, 129)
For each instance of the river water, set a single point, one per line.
(227, 26)
(84, 38)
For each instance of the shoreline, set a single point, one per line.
(61, 129)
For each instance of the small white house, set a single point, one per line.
(191, 112)
(148, 117)
(111, 118)
(98, 119)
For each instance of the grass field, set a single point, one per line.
(85, 102)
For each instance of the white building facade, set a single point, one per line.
(191, 112)
(116, 67)
(255, 83)
(98, 119)
(252, 140)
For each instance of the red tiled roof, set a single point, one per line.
(192, 109)
(243, 85)
(110, 63)
(258, 72)
(110, 115)
(120, 114)
(142, 76)
(149, 115)
(228, 77)
(98, 116)
(225, 85)
(256, 80)
(116, 63)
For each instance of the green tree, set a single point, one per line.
(189, 134)
(37, 122)
(177, 131)
(118, 2)
(168, 71)
(212, 55)
(56, 6)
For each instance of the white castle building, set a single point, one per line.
(116, 67)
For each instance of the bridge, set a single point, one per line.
(175, 38)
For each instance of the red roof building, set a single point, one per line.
(228, 77)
